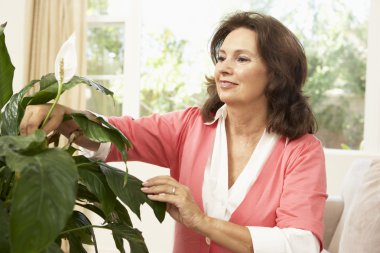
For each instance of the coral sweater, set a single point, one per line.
(290, 191)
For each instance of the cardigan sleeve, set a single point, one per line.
(304, 195)
(156, 139)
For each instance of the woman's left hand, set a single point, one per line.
(180, 203)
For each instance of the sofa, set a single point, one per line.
(352, 219)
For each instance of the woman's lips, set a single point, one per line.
(226, 84)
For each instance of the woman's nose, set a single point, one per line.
(224, 67)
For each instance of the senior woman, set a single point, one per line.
(246, 172)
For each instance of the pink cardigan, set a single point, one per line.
(290, 191)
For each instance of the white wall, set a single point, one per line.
(13, 12)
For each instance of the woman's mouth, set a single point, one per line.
(226, 84)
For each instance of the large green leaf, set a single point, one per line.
(49, 88)
(95, 181)
(97, 132)
(27, 145)
(132, 235)
(130, 193)
(43, 198)
(13, 112)
(6, 70)
(4, 229)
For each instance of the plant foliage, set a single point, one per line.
(40, 184)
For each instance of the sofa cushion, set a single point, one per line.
(361, 231)
(351, 183)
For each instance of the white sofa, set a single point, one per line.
(352, 220)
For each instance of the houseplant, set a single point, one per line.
(41, 184)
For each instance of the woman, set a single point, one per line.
(247, 175)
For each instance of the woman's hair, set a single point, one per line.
(289, 113)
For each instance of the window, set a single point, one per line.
(105, 55)
(171, 56)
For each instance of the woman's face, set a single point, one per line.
(240, 74)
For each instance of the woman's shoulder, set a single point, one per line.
(188, 114)
(305, 142)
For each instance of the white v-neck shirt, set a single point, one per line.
(220, 202)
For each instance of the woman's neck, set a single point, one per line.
(246, 121)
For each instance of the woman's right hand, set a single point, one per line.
(35, 114)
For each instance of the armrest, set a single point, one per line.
(333, 212)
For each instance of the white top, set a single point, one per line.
(220, 202)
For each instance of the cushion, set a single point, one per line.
(361, 233)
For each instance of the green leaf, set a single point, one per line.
(75, 244)
(6, 182)
(97, 132)
(130, 194)
(132, 235)
(121, 215)
(119, 243)
(6, 70)
(95, 181)
(49, 88)
(27, 145)
(94, 85)
(43, 198)
(4, 229)
(13, 112)
(78, 220)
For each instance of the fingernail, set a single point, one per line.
(144, 183)
(144, 188)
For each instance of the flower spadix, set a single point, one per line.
(66, 61)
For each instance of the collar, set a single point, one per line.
(221, 113)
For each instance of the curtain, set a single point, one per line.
(49, 24)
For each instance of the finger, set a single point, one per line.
(159, 189)
(159, 180)
(52, 124)
(32, 119)
(24, 122)
(167, 198)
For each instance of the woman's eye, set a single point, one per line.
(220, 58)
(242, 59)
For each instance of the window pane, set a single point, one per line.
(107, 7)
(100, 103)
(163, 75)
(105, 49)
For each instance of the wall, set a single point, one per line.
(13, 12)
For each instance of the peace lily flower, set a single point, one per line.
(64, 69)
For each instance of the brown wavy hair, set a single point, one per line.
(289, 113)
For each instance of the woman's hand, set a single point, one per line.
(34, 116)
(180, 203)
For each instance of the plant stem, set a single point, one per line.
(84, 227)
(55, 102)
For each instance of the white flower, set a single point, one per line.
(67, 55)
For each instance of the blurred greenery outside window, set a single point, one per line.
(333, 33)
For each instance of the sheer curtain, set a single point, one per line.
(49, 24)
